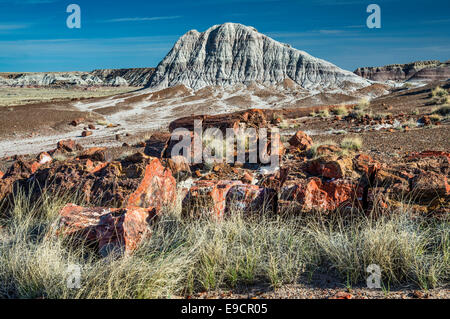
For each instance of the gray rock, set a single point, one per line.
(232, 53)
(107, 77)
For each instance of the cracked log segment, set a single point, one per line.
(111, 230)
(137, 181)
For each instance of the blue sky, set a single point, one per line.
(132, 33)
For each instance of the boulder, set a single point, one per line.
(156, 189)
(138, 181)
(113, 230)
(86, 133)
(301, 141)
(330, 167)
(94, 154)
(44, 158)
(251, 199)
(20, 171)
(425, 120)
(6, 187)
(68, 146)
(428, 186)
(207, 198)
(367, 166)
(426, 154)
(317, 195)
(247, 178)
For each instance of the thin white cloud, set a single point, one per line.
(9, 27)
(140, 19)
(331, 31)
(439, 21)
(28, 1)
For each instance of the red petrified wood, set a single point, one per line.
(301, 141)
(206, 198)
(316, 195)
(114, 230)
(157, 188)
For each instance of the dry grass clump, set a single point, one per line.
(440, 96)
(321, 113)
(352, 143)
(443, 111)
(361, 109)
(312, 152)
(363, 104)
(435, 118)
(187, 256)
(340, 111)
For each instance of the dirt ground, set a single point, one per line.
(324, 287)
(10, 96)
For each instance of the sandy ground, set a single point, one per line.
(33, 128)
(10, 96)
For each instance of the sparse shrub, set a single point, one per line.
(352, 143)
(443, 110)
(440, 96)
(312, 153)
(340, 110)
(276, 116)
(359, 114)
(363, 104)
(435, 118)
(324, 113)
(284, 125)
(102, 122)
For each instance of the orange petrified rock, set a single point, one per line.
(179, 166)
(113, 230)
(44, 158)
(94, 153)
(250, 199)
(207, 198)
(156, 189)
(330, 167)
(301, 141)
(316, 195)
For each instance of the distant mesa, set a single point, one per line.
(431, 70)
(136, 77)
(232, 53)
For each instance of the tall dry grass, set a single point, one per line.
(186, 256)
